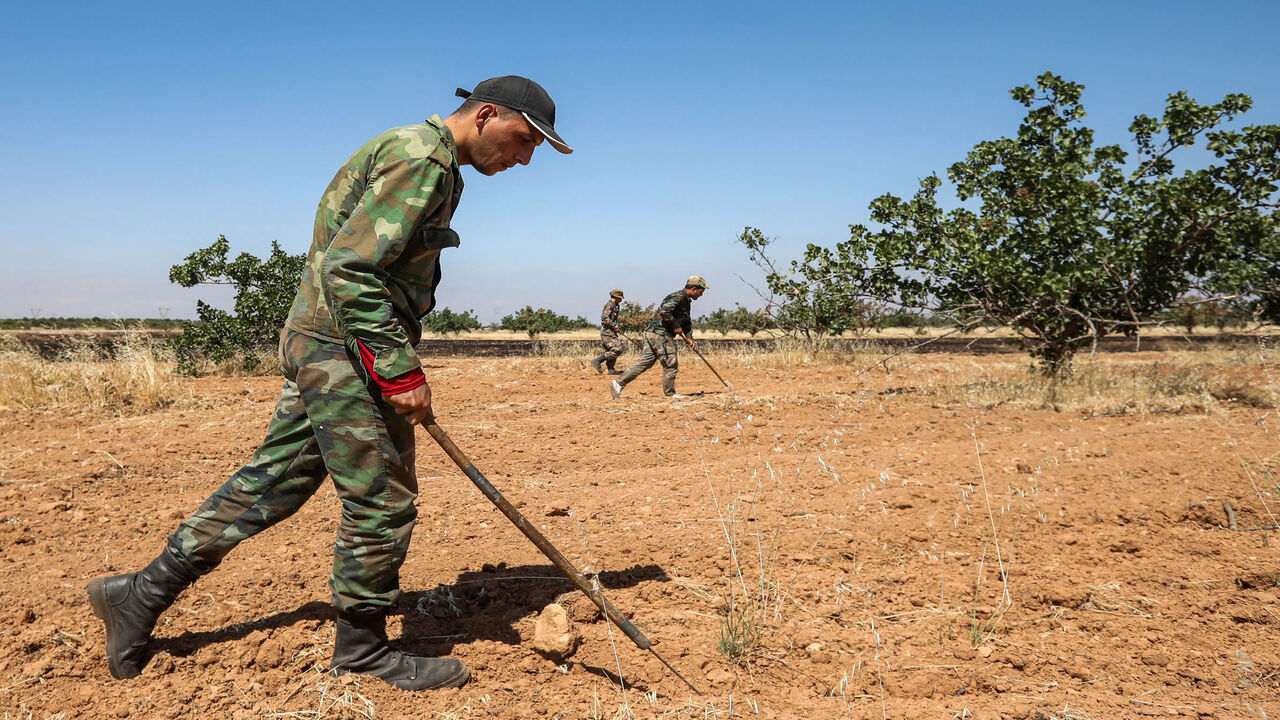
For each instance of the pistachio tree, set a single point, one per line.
(1063, 241)
(264, 290)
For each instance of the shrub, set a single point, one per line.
(264, 294)
(541, 320)
(445, 320)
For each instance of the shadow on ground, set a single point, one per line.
(482, 605)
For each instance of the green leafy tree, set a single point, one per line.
(538, 321)
(809, 299)
(748, 321)
(581, 323)
(633, 318)
(740, 318)
(264, 291)
(1249, 281)
(718, 320)
(1062, 241)
(445, 320)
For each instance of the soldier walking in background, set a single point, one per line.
(354, 387)
(671, 322)
(609, 330)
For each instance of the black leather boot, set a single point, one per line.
(612, 370)
(361, 647)
(595, 363)
(130, 604)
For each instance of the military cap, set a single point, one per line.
(525, 97)
(616, 293)
(696, 281)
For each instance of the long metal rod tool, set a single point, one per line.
(712, 369)
(557, 558)
(628, 337)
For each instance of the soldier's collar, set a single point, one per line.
(446, 135)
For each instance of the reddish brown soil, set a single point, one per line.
(881, 519)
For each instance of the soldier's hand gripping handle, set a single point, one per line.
(415, 404)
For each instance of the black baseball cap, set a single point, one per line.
(524, 96)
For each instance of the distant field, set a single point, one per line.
(52, 342)
(61, 324)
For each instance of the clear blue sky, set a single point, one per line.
(134, 133)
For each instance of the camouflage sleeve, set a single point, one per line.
(356, 265)
(666, 312)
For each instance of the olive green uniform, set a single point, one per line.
(370, 276)
(609, 339)
(660, 341)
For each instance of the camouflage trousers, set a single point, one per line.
(613, 347)
(327, 422)
(656, 348)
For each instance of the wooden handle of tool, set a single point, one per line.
(543, 544)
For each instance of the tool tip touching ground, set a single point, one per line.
(675, 672)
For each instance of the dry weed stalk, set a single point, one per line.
(742, 625)
(613, 647)
(879, 666)
(743, 621)
(1269, 479)
(982, 630)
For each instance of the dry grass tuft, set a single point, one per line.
(264, 362)
(1110, 599)
(1066, 713)
(689, 709)
(566, 354)
(137, 379)
(784, 353)
(334, 698)
(754, 593)
(30, 715)
(1202, 381)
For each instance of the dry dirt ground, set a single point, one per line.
(897, 556)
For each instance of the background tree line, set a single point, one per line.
(1060, 240)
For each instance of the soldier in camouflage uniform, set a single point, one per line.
(670, 322)
(609, 330)
(354, 387)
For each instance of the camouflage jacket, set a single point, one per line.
(609, 319)
(374, 262)
(672, 312)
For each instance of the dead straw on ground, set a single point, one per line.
(1203, 379)
(1122, 384)
(134, 377)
